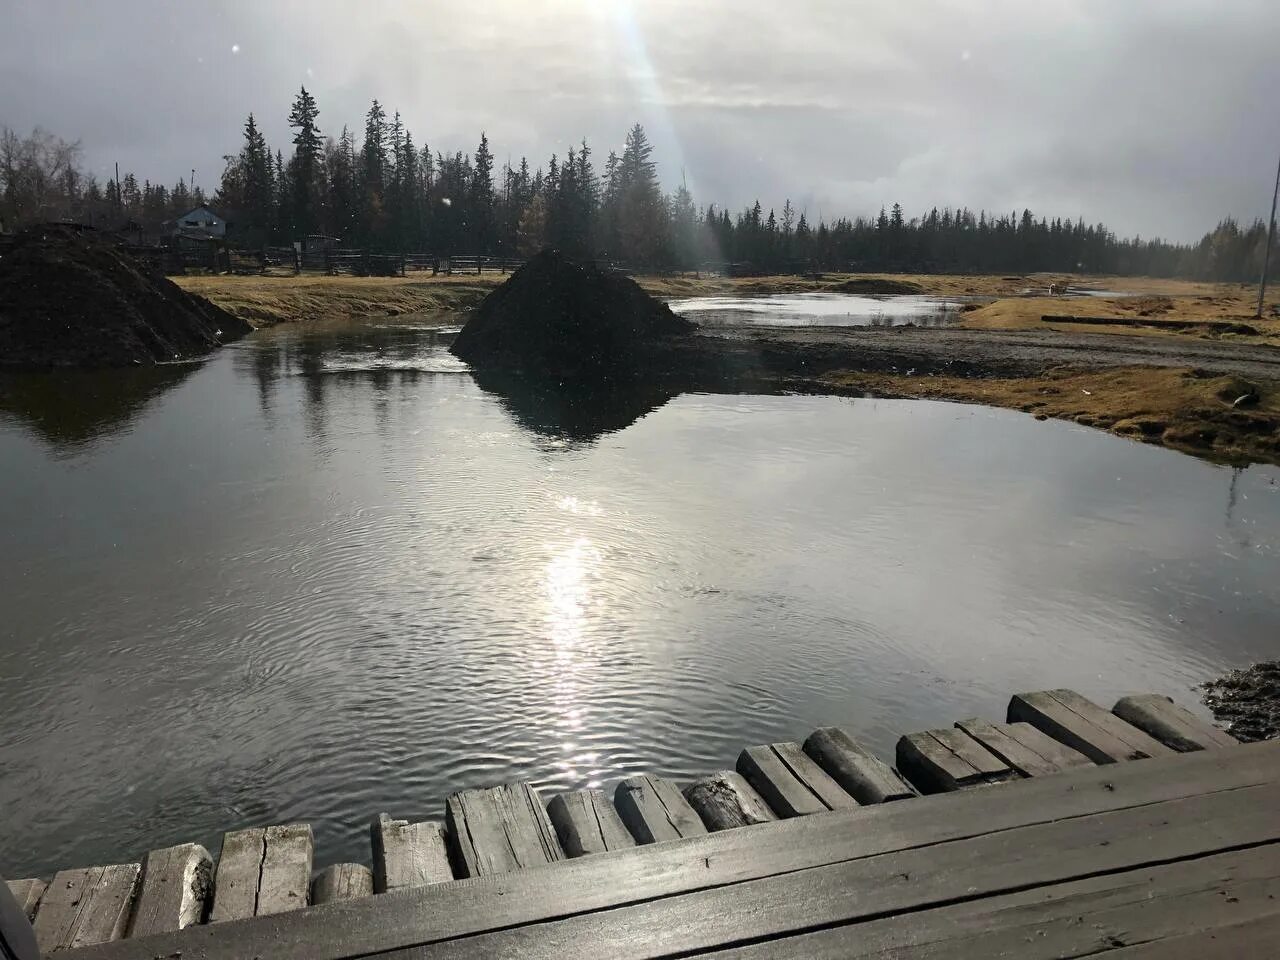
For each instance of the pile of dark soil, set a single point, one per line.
(1248, 701)
(876, 287)
(72, 298)
(564, 319)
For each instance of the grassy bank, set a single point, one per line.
(267, 300)
(1173, 407)
(264, 301)
(1211, 310)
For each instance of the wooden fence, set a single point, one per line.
(332, 261)
(335, 261)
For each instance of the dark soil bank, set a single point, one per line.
(876, 286)
(564, 319)
(73, 299)
(1248, 701)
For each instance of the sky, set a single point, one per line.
(1157, 117)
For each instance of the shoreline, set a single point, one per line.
(1171, 385)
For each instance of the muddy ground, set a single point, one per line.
(1248, 701)
(1211, 399)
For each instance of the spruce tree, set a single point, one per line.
(257, 178)
(303, 184)
(481, 199)
(373, 175)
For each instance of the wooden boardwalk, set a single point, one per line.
(1067, 831)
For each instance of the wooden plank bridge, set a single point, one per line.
(1066, 831)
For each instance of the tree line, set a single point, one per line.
(382, 191)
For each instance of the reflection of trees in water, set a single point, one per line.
(385, 360)
(380, 379)
(308, 360)
(70, 410)
(262, 361)
(579, 412)
(379, 357)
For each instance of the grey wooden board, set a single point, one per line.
(499, 829)
(174, 892)
(286, 869)
(86, 906)
(939, 761)
(1073, 919)
(655, 810)
(725, 800)
(408, 854)
(910, 881)
(342, 881)
(235, 884)
(1171, 724)
(1027, 750)
(730, 859)
(586, 822)
(790, 782)
(262, 871)
(28, 894)
(864, 776)
(1083, 725)
(1238, 941)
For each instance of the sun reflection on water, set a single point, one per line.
(570, 574)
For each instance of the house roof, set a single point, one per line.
(206, 208)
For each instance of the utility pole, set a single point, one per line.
(119, 199)
(1271, 235)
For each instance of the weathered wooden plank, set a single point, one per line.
(262, 870)
(1171, 724)
(1259, 937)
(725, 800)
(286, 868)
(86, 906)
(939, 761)
(790, 782)
(724, 859)
(1027, 750)
(1083, 725)
(27, 893)
(408, 854)
(655, 810)
(499, 829)
(342, 881)
(235, 885)
(864, 776)
(175, 888)
(906, 882)
(587, 822)
(1159, 904)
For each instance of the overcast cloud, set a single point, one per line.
(1156, 117)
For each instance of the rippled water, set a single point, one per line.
(327, 574)
(821, 309)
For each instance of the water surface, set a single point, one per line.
(821, 309)
(328, 574)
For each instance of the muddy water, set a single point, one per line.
(327, 574)
(821, 309)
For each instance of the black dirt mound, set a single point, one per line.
(71, 298)
(561, 318)
(876, 287)
(1248, 701)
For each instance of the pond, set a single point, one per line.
(822, 310)
(328, 574)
